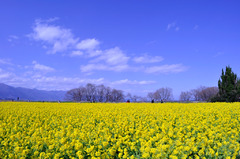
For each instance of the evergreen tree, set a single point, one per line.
(229, 87)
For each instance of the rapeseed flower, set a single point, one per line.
(108, 130)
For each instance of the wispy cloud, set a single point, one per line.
(35, 76)
(32, 79)
(76, 53)
(49, 20)
(5, 62)
(44, 68)
(63, 83)
(4, 74)
(48, 82)
(174, 68)
(94, 53)
(108, 60)
(132, 82)
(148, 59)
(58, 38)
(12, 38)
(196, 27)
(92, 67)
(170, 25)
(88, 44)
(160, 69)
(113, 56)
(218, 54)
(103, 67)
(173, 26)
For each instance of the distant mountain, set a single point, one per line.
(9, 93)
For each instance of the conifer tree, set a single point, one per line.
(229, 86)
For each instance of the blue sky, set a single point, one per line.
(136, 46)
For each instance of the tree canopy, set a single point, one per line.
(229, 87)
(95, 93)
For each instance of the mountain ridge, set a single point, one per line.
(13, 93)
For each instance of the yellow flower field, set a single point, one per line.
(125, 130)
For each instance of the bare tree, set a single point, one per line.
(76, 94)
(185, 96)
(101, 93)
(81, 92)
(135, 98)
(108, 95)
(163, 94)
(208, 93)
(128, 96)
(72, 95)
(120, 96)
(204, 93)
(142, 99)
(117, 95)
(196, 93)
(150, 96)
(90, 92)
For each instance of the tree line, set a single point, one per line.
(161, 94)
(95, 93)
(101, 93)
(199, 94)
(228, 90)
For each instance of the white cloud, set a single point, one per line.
(92, 67)
(38, 79)
(43, 82)
(37, 66)
(169, 26)
(76, 53)
(88, 44)
(5, 62)
(50, 82)
(134, 82)
(103, 67)
(108, 60)
(172, 25)
(115, 60)
(12, 38)
(93, 53)
(148, 59)
(52, 19)
(33, 79)
(174, 68)
(120, 67)
(4, 75)
(63, 83)
(113, 56)
(60, 39)
(218, 54)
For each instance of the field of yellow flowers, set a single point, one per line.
(123, 130)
